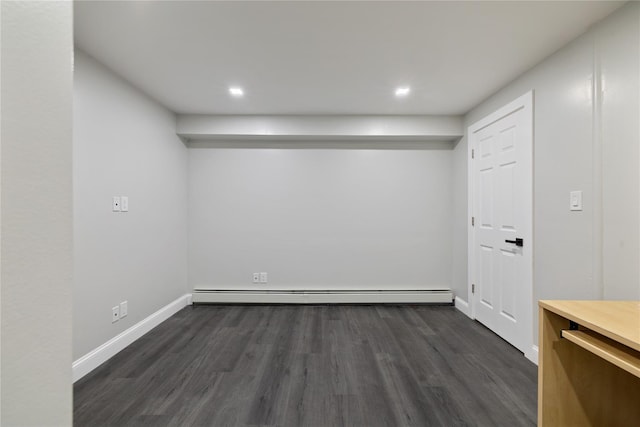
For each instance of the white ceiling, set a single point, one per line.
(326, 57)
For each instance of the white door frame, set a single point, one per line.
(524, 102)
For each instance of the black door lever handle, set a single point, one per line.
(517, 242)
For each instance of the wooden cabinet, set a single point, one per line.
(589, 363)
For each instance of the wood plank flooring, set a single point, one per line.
(314, 366)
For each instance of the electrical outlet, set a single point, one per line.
(115, 204)
(124, 309)
(256, 277)
(115, 314)
(263, 277)
(124, 205)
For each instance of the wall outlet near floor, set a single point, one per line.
(124, 309)
(263, 278)
(115, 314)
(256, 277)
(115, 204)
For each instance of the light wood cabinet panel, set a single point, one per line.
(591, 376)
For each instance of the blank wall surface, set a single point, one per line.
(124, 145)
(319, 219)
(36, 226)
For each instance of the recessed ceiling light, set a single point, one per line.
(403, 91)
(236, 91)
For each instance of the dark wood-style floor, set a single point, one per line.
(312, 366)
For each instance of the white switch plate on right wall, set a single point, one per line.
(575, 200)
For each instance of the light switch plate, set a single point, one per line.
(124, 309)
(575, 200)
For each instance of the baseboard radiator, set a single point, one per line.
(222, 296)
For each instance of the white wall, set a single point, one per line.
(459, 220)
(125, 145)
(618, 49)
(36, 225)
(579, 144)
(320, 218)
(326, 127)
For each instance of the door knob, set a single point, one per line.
(517, 242)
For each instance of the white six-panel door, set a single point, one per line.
(501, 207)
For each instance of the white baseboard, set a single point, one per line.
(463, 306)
(321, 297)
(98, 356)
(532, 354)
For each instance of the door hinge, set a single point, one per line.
(473, 221)
(473, 288)
(473, 153)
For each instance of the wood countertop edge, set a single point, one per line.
(628, 341)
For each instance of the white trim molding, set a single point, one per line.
(463, 306)
(444, 296)
(106, 351)
(532, 354)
